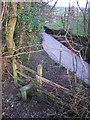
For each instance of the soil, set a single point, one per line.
(13, 106)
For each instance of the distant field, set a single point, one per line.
(59, 12)
(56, 25)
(77, 25)
(79, 28)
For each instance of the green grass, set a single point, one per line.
(56, 25)
(77, 31)
(80, 25)
(59, 12)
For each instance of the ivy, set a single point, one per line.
(29, 20)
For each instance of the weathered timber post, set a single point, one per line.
(39, 72)
(24, 91)
(14, 71)
(60, 57)
(29, 56)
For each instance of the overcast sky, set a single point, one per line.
(65, 3)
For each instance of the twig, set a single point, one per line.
(1, 16)
(77, 51)
(10, 73)
(69, 79)
(53, 5)
(24, 47)
(54, 84)
(83, 62)
(10, 56)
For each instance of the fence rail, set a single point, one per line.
(36, 84)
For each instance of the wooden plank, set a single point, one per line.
(53, 84)
(26, 80)
(26, 87)
(23, 75)
(26, 68)
(24, 91)
(17, 78)
(48, 94)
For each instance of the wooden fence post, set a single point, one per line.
(39, 72)
(29, 56)
(60, 57)
(14, 71)
(24, 95)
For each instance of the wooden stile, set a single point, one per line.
(24, 91)
(26, 68)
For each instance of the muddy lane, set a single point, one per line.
(68, 59)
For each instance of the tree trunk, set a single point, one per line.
(9, 35)
(89, 19)
(0, 63)
(88, 50)
(21, 33)
(11, 28)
